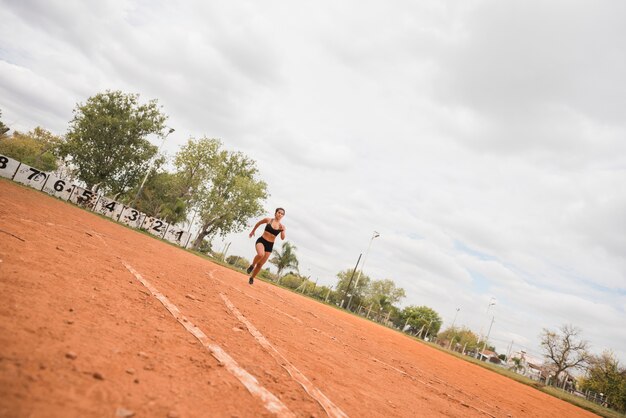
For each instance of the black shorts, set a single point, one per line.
(267, 245)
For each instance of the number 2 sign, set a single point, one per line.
(155, 226)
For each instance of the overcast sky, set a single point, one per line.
(483, 140)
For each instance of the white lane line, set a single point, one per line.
(331, 409)
(271, 402)
(212, 276)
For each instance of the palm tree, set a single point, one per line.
(285, 259)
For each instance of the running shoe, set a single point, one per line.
(251, 281)
(249, 269)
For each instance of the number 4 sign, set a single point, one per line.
(108, 207)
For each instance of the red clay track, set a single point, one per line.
(80, 335)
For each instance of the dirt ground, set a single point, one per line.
(99, 320)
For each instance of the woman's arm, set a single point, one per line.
(261, 222)
(282, 232)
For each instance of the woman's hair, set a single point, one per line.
(277, 209)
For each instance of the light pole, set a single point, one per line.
(374, 235)
(457, 312)
(452, 328)
(492, 302)
(488, 333)
(150, 168)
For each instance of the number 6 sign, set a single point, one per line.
(58, 187)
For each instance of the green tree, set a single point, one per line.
(291, 280)
(3, 128)
(422, 319)
(285, 259)
(604, 375)
(564, 350)
(107, 140)
(37, 148)
(197, 164)
(160, 197)
(357, 290)
(237, 261)
(231, 196)
(462, 336)
(383, 294)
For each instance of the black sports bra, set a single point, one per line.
(269, 228)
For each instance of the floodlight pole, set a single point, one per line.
(345, 293)
(374, 235)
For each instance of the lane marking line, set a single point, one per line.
(212, 276)
(331, 409)
(270, 401)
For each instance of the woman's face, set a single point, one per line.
(279, 214)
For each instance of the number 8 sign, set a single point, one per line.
(8, 166)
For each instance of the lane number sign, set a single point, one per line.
(56, 186)
(30, 176)
(8, 166)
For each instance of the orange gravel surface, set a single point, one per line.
(99, 320)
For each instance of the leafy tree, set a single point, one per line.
(291, 280)
(196, 166)
(383, 294)
(231, 196)
(604, 375)
(463, 336)
(37, 148)
(285, 258)
(422, 318)
(3, 128)
(358, 291)
(160, 197)
(107, 140)
(237, 261)
(565, 350)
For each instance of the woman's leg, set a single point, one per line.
(259, 265)
(260, 253)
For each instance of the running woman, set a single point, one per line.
(265, 243)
